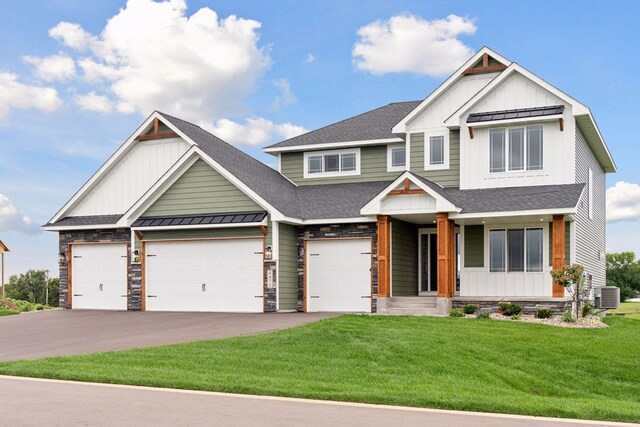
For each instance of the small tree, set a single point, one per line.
(571, 277)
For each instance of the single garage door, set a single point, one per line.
(99, 276)
(339, 275)
(204, 275)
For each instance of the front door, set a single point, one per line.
(428, 276)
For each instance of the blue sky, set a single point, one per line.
(289, 65)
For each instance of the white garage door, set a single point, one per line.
(99, 276)
(204, 275)
(339, 275)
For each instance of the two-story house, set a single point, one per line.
(471, 195)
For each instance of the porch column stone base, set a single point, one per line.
(443, 306)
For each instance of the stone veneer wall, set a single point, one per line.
(270, 294)
(338, 231)
(529, 305)
(134, 282)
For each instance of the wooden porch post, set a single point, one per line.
(558, 250)
(445, 255)
(384, 266)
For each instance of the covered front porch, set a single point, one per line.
(432, 256)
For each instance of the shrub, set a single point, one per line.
(515, 317)
(39, 307)
(470, 308)
(456, 313)
(543, 313)
(483, 314)
(567, 317)
(509, 309)
(588, 309)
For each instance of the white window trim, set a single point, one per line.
(427, 151)
(390, 167)
(506, 228)
(507, 145)
(330, 174)
(590, 193)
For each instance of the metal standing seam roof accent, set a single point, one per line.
(86, 220)
(522, 113)
(204, 219)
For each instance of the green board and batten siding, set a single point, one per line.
(473, 246)
(373, 167)
(404, 259)
(201, 190)
(288, 267)
(446, 177)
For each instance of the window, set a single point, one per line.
(436, 150)
(515, 149)
(515, 250)
(332, 163)
(496, 150)
(396, 157)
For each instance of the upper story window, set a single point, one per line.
(332, 163)
(436, 151)
(515, 149)
(396, 157)
(515, 250)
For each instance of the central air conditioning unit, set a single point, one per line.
(607, 297)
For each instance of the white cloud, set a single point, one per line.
(623, 202)
(16, 95)
(408, 43)
(255, 131)
(94, 102)
(71, 35)
(11, 219)
(286, 97)
(52, 68)
(198, 67)
(310, 58)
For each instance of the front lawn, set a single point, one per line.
(466, 364)
(7, 312)
(631, 309)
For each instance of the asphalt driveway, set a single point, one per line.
(67, 332)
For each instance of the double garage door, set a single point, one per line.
(197, 275)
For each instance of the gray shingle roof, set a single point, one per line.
(515, 198)
(515, 114)
(226, 218)
(265, 181)
(87, 220)
(374, 124)
(337, 200)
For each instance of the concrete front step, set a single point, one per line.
(412, 299)
(410, 311)
(411, 305)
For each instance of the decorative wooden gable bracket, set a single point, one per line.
(561, 124)
(156, 134)
(406, 190)
(470, 133)
(485, 67)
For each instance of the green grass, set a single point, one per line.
(7, 312)
(630, 309)
(466, 364)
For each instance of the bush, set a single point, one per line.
(515, 317)
(484, 314)
(509, 309)
(39, 307)
(470, 308)
(567, 317)
(588, 309)
(543, 313)
(456, 313)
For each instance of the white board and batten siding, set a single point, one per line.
(131, 177)
(480, 282)
(514, 93)
(590, 238)
(99, 276)
(338, 275)
(223, 275)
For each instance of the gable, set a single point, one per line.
(201, 190)
(130, 177)
(516, 92)
(449, 101)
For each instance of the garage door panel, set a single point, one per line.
(339, 275)
(99, 276)
(213, 275)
